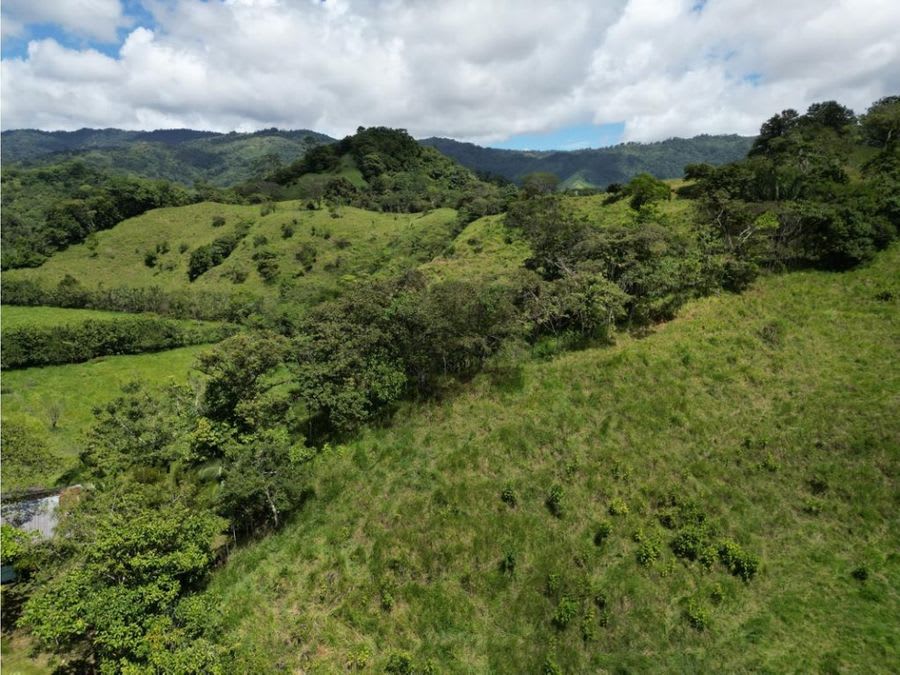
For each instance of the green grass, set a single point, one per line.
(773, 412)
(13, 316)
(73, 390)
(352, 244)
(484, 250)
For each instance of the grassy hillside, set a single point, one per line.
(58, 400)
(601, 166)
(341, 245)
(181, 155)
(12, 316)
(767, 419)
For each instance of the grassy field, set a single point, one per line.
(68, 393)
(463, 536)
(349, 243)
(12, 316)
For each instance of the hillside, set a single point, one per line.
(433, 538)
(181, 155)
(601, 166)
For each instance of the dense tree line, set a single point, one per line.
(238, 307)
(793, 202)
(27, 346)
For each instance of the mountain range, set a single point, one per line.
(188, 156)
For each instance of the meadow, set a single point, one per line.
(530, 522)
(60, 399)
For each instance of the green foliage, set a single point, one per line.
(27, 459)
(203, 258)
(566, 611)
(601, 534)
(645, 189)
(697, 616)
(554, 501)
(131, 561)
(27, 346)
(48, 208)
(737, 561)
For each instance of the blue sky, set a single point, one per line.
(560, 75)
(567, 138)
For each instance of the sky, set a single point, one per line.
(520, 74)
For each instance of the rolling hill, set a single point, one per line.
(182, 155)
(601, 166)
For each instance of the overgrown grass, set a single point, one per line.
(765, 422)
(61, 398)
(12, 316)
(349, 244)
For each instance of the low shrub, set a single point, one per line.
(554, 501)
(739, 562)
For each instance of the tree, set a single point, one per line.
(645, 189)
(881, 123)
(132, 558)
(240, 376)
(540, 183)
(27, 460)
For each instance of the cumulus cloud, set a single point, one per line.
(479, 71)
(97, 19)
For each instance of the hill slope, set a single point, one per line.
(602, 166)
(182, 155)
(767, 418)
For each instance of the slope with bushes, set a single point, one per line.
(587, 511)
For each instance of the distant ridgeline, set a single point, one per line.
(181, 155)
(601, 166)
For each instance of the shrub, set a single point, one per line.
(697, 616)
(260, 240)
(740, 563)
(648, 551)
(602, 533)
(150, 258)
(689, 542)
(508, 563)
(218, 221)
(306, 255)
(550, 667)
(183, 247)
(399, 663)
(566, 610)
(204, 258)
(589, 625)
(618, 507)
(287, 230)
(508, 497)
(554, 501)
(860, 573)
(266, 264)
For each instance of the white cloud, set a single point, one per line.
(97, 19)
(473, 70)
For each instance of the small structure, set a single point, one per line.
(33, 511)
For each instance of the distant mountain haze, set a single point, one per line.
(187, 155)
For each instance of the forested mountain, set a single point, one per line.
(601, 166)
(181, 155)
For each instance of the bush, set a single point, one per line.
(508, 563)
(739, 563)
(72, 343)
(697, 616)
(648, 551)
(618, 507)
(554, 501)
(602, 533)
(208, 256)
(566, 610)
(508, 497)
(287, 230)
(860, 573)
